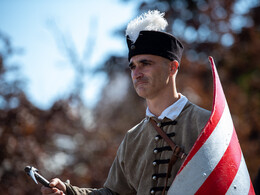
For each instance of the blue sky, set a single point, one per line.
(47, 71)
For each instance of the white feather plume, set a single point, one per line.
(151, 21)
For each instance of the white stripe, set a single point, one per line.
(205, 160)
(241, 182)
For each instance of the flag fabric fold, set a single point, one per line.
(215, 164)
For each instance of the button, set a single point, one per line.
(156, 138)
(132, 46)
(154, 178)
(152, 192)
(154, 163)
(158, 124)
(155, 151)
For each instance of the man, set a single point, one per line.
(145, 163)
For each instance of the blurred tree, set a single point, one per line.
(71, 141)
(10, 83)
(51, 140)
(241, 76)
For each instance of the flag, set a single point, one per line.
(215, 164)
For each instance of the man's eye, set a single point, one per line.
(146, 63)
(131, 67)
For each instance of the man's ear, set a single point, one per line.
(174, 66)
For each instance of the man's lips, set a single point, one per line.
(140, 82)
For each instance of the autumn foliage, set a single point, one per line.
(72, 141)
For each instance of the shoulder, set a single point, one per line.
(139, 135)
(196, 114)
(137, 138)
(135, 131)
(195, 110)
(137, 127)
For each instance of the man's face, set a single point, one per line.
(150, 75)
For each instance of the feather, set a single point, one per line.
(151, 21)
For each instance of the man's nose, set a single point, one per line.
(137, 73)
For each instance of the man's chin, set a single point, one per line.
(141, 93)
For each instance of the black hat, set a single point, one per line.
(155, 43)
(144, 35)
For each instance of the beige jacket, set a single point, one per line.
(141, 163)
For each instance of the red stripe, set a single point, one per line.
(217, 111)
(251, 190)
(224, 173)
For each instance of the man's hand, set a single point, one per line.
(57, 187)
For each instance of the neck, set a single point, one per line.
(159, 103)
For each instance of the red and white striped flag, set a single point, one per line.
(215, 164)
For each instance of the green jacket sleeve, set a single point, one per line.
(73, 190)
